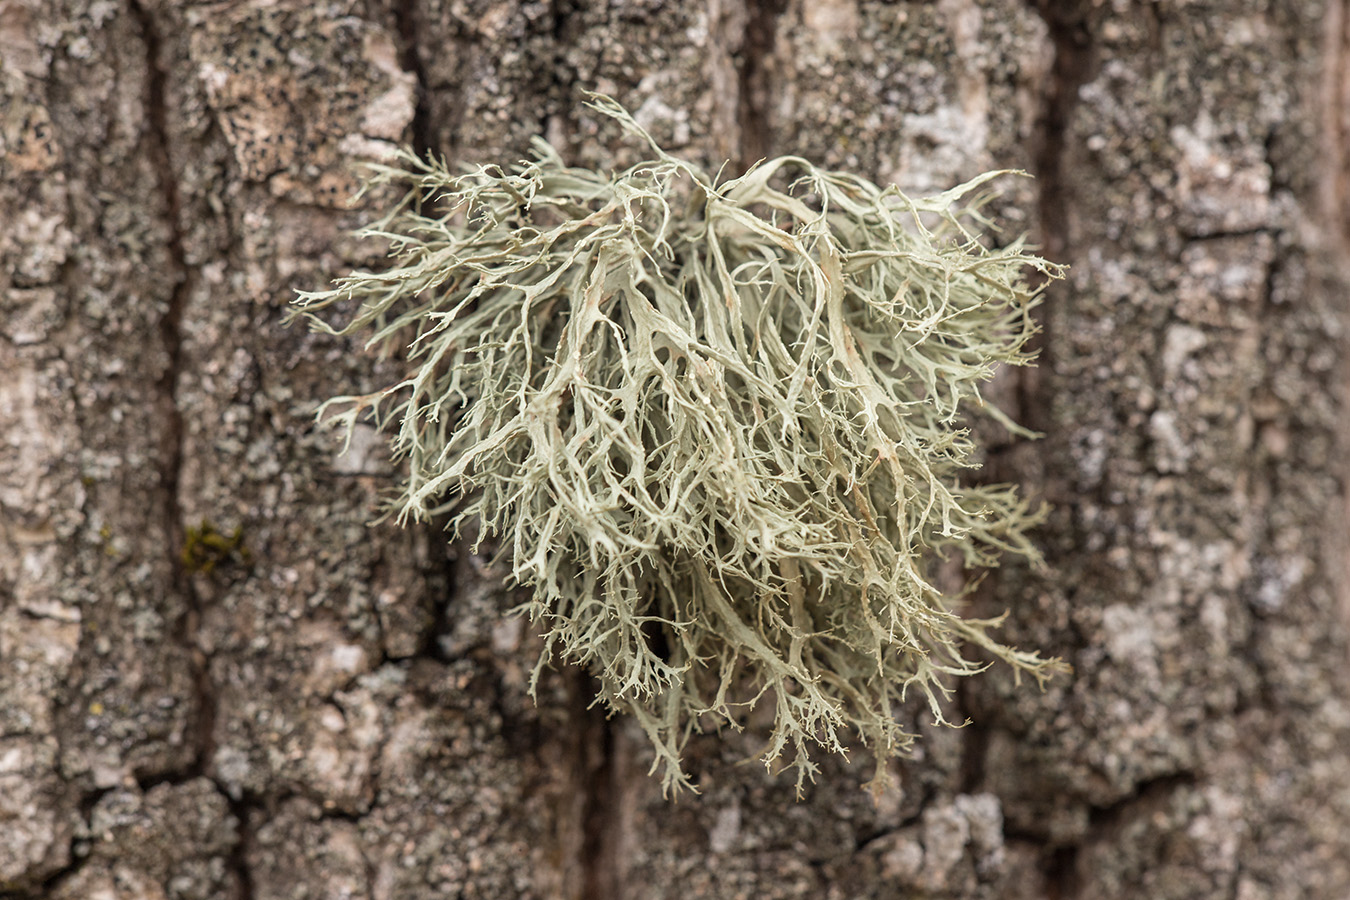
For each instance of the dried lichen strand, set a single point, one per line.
(728, 412)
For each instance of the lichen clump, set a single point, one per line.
(716, 426)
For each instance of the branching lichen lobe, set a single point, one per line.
(716, 426)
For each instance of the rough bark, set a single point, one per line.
(216, 680)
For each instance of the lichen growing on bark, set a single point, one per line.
(715, 425)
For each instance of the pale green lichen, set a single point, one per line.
(716, 426)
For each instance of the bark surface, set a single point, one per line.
(217, 680)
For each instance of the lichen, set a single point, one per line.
(717, 426)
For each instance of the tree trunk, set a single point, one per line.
(217, 680)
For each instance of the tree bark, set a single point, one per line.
(217, 680)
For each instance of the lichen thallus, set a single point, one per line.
(716, 427)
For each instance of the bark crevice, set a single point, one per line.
(407, 23)
(754, 74)
(1074, 60)
(594, 768)
(172, 440)
(237, 862)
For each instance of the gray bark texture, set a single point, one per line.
(217, 680)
